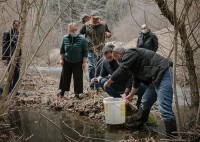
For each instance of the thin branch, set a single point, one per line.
(132, 14)
(82, 135)
(20, 138)
(65, 136)
(29, 137)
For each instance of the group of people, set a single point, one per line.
(83, 44)
(119, 72)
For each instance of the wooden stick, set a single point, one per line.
(82, 135)
(65, 136)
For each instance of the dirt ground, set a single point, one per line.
(41, 91)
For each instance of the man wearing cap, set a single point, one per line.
(84, 18)
(95, 32)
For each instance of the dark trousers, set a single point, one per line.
(65, 79)
(15, 77)
(1, 90)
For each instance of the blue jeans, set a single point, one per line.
(94, 67)
(118, 88)
(163, 93)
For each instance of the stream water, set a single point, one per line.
(37, 126)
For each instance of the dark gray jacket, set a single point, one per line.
(9, 44)
(146, 66)
(108, 68)
(148, 41)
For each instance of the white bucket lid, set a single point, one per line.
(113, 100)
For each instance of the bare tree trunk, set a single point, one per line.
(23, 15)
(162, 4)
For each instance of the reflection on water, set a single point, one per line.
(37, 123)
(31, 122)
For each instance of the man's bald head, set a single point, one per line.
(144, 26)
(145, 29)
(118, 52)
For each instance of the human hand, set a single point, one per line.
(124, 95)
(107, 35)
(94, 80)
(61, 62)
(128, 98)
(84, 65)
(106, 84)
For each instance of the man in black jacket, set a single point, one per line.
(8, 47)
(147, 39)
(153, 70)
(123, 85)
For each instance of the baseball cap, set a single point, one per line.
(95, 14)
(83, 16)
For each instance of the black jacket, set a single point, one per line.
(148, 41)
(146, 66)
(9, 44)
(108, 68)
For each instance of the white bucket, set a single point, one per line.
(114, 109)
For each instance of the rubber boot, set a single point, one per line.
(141, 119)
(170, 126)
(61, 94)
(77, 96)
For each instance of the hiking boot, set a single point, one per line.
(170, 126)
(141, 119)
(17, 94)
(136, 126)
(99, 89)
(61, 94)
(77, 96)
